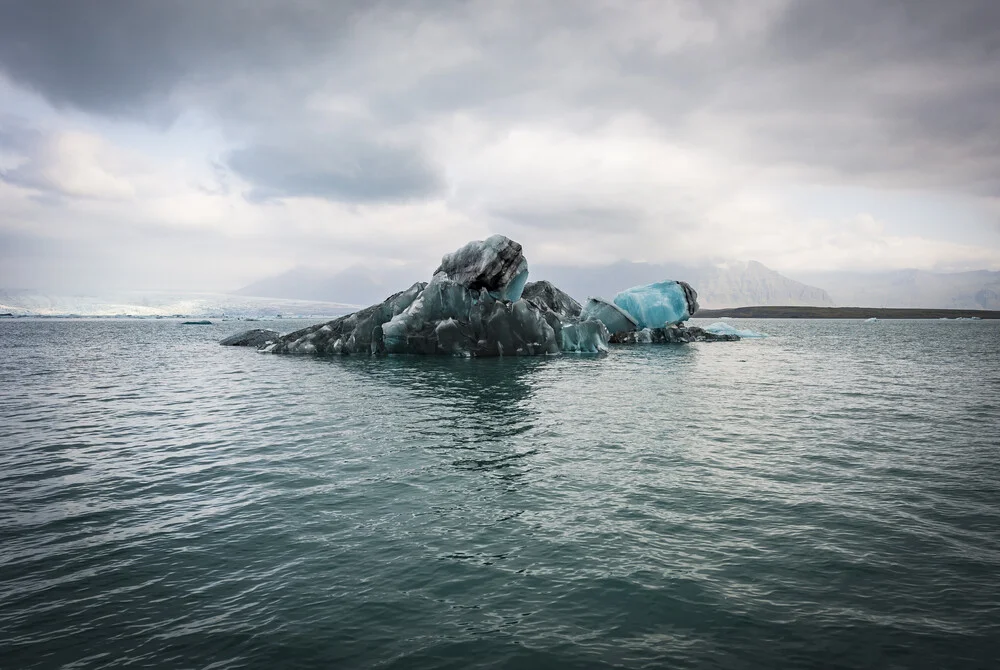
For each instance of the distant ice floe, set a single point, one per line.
(871, 319)
(720, 328)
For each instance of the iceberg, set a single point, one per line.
(614, 318)
(721, 328)
(479, 303)
(473, 306)
(658, 305)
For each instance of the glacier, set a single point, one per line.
(658, 305)
(479, 303)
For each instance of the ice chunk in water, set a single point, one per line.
(721, 328)
(661, 304)
(585, 337)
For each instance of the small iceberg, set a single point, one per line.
(871, 319)
(658, 305)
(720, 328)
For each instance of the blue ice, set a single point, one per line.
(614, 318)
(655, 305)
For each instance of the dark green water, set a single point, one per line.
(827, 497)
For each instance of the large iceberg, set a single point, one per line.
(664, 303)
(478, 303)
(473, 306)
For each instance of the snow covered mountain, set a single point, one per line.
(911, 288)
(730, 285)
(734, 284)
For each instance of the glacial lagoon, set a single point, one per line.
(823, 497)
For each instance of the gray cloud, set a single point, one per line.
(349, 170)
(127, 58)
(356, 102)
(568, 220)
(903, 92)
(27, 143)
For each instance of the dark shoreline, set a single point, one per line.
(776, 312)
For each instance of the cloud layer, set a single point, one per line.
(216, 142)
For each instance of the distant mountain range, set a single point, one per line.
(911, 288)
(732, 285)
(721, 286)
(355, 285)
(310, 292)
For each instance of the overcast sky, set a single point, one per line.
(203, 145)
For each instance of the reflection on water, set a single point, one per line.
(476, 409)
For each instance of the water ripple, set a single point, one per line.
(826, 497)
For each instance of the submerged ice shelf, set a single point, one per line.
(479, 303)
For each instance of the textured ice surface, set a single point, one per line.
(495, 264)
(258, 337)
(676, 334)
(661, 304)
(544, 293)
(584, 337)
(448, 318)
(722, 328)
(357, 333)
(611, 315)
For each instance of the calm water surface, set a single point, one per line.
(827, 497)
